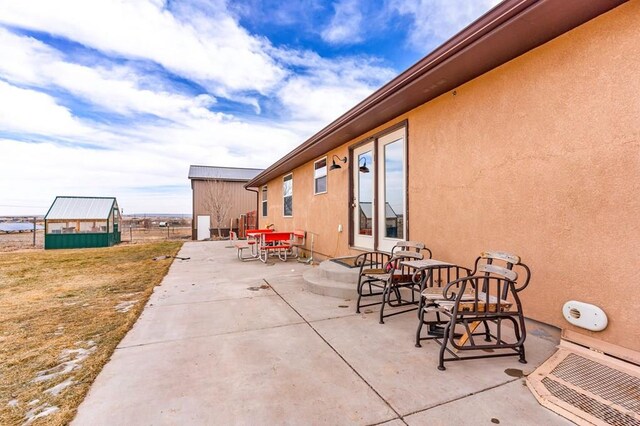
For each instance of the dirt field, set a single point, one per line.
(62, 313)
(24, 240)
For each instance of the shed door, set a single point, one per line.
(203, 227)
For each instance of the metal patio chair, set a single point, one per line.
(382, 276)
(487, 297)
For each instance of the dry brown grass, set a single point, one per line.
(63, 299)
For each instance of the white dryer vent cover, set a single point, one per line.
(585, 315)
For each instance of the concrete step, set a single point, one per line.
(336, 272)
(316, 282)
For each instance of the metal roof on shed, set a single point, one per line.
(80, 208)
(223, 173)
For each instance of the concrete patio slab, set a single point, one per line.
(311, 306)
(188, 320)
(212, 347)
(284, 375)
(406, 376)
(394, 422)
(506, 405)
(175, 293)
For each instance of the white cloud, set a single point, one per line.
(322, 96)
(327, 88)
(82, 171)
(434, 21)
(115, 88)
(154, 157)
(32, 112)
(345, 25)
(211, 49)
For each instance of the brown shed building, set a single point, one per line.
(520, 133)
(219, 198)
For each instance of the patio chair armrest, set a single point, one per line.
(371, 258)
(428, 250)
(524, 285)
(454, 289)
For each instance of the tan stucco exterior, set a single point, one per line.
(539, 157)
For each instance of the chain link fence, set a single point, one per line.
(17, 232)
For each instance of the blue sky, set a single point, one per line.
(116, 98)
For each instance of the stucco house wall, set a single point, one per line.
(539, 157)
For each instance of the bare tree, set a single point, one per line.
(218, 201)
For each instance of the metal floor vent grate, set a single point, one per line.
(597, 409)
(588, 389)
(609, 383)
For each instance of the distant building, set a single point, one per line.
(82, 222)
(219, 198)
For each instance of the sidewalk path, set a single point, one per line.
(222, 342)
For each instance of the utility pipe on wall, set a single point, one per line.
(257, 205)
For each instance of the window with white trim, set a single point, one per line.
(264, 201)
(287, 195)
(320, 176)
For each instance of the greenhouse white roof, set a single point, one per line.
(81, 208)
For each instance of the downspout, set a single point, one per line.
(257, 191)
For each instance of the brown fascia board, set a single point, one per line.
(507, 31)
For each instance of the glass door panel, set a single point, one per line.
(363, 193)
(392, 190)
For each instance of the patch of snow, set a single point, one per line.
(39, 412)
(125, 306)
(58, 370)
(55, 390)
(70, 360)
(77, 355)
(13, 403)
(34, 402)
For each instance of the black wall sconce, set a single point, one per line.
(363, 168)
(335, 166)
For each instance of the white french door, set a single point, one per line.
(379, 192)
(363, 188)
(391, 190)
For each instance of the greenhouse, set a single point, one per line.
(81, 222)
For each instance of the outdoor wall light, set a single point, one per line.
(335, 166)
(364, 168)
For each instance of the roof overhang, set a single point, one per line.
(507, 31)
